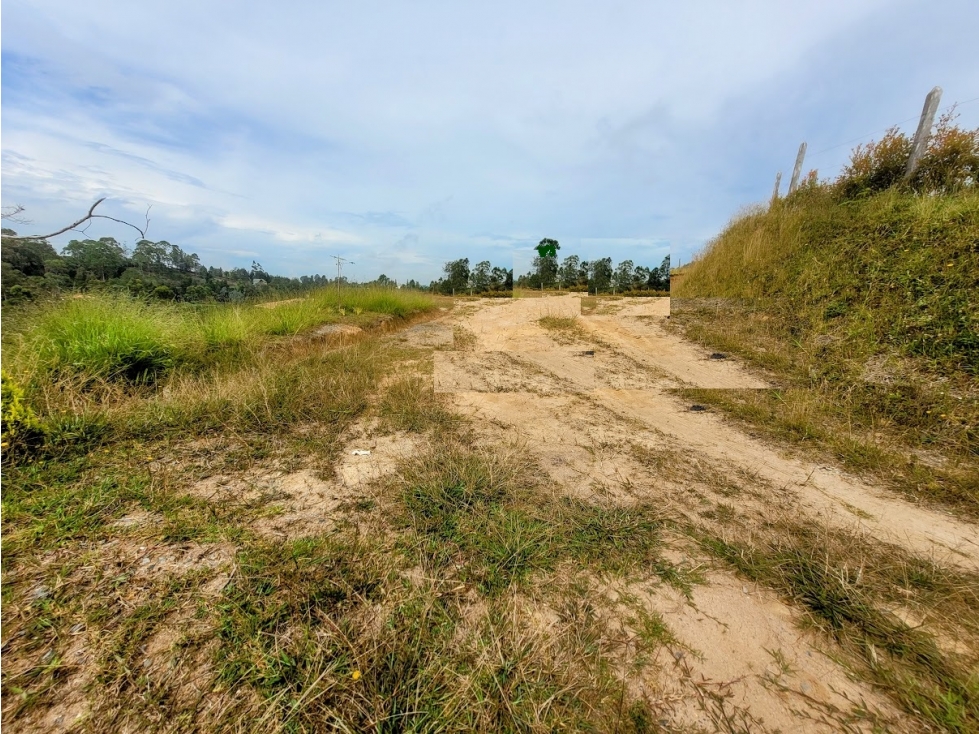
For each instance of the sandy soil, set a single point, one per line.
(589, 401)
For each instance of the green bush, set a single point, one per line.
(875, 166)
(950, 163)
(19, 426)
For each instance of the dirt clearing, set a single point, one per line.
(592, 396)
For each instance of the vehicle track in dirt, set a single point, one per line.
(595, 400)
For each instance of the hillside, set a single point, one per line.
(862, 297)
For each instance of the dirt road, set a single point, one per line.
(593, 399)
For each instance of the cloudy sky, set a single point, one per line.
(404, 134)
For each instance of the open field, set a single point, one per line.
(550, 532)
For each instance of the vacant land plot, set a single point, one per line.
(507, 516)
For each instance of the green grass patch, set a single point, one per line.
(486, 514)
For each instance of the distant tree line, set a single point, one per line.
(483, 277)
(596, 276)
(165, 271)
(151, 269)
(572, 273)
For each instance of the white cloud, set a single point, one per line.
(283, 130)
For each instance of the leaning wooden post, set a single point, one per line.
(797, 171)
(778, 182)
(924, 130)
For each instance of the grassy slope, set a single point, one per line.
(868, 314)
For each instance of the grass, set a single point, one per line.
(559, 323)
(107, 362)
(415, 611)
(848, 586)
(115, 337)
(864, 313)
(460, 592)
(563, 329)
(484, 514)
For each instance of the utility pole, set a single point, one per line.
(340, 261)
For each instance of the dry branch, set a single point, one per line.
(74, 225)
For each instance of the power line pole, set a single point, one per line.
(340, 261)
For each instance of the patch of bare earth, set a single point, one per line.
(602, 421)
(133, 573)
(309, 501)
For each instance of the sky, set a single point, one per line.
(401, 135)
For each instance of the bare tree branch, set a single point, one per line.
(12, 213)
(74, 226)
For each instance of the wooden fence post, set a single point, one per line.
(778, 182)
(924, 130)
(797, 171)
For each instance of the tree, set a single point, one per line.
(622, 278)
(546, 262)
(601, 275)
(664, 273)
(640, 278)
(187, 262)
(26, 256)
(479, 277)
(105, 257)
(151, 255)
(13, 213)
(547, 269)
(457, 275)
(548, 247)
(258, 272)
(568, 272)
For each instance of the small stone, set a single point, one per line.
(40, 592)
(697, 408)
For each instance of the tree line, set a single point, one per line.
(483, 277)
(596, 276)
(165, 271)
(151, 269)
(572, 273)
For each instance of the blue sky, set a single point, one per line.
(402, 135)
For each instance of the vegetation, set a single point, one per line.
(152, 270)
(483, 278)
(413, 615)
(596, 276)
(571, 274)
(163, 569)
(862, 301)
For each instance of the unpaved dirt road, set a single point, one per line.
(590, 400)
